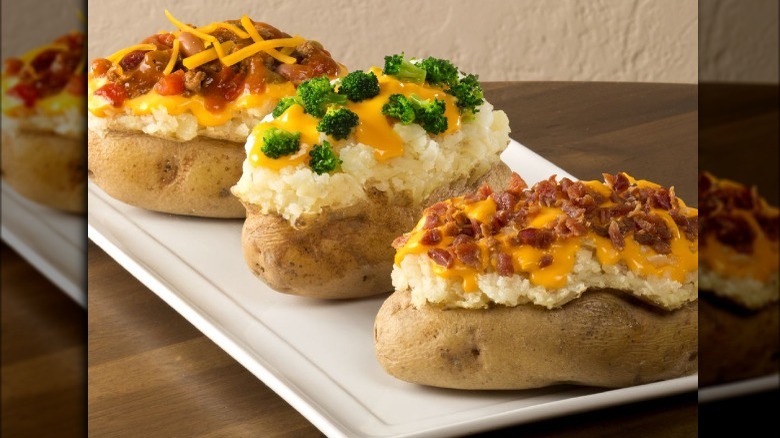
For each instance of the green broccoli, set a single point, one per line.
(359, 86)
(323, 159)
(338, 123)
(439, 71)
(277, 143)
(399, 107)
(468, 92)
(316, 94)
(429, 114)
(283, 104)
(398, 66)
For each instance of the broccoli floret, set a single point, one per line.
(439, 71)
(399, 107)
(401, 68)
(338, 123)
(278, 143)
(323, 159)
(359, 86)
(316, 94)
(283, 104)
(468, 92)
(429, 114)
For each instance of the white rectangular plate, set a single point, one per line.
(318, 355)
(50, 240)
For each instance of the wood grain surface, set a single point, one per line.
(152, 374)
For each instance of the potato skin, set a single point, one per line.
(604, 338)
(736, 343)
(46, 167)
(344, 253)
(181, 177)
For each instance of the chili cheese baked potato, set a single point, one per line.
(43, 118)
(346, 165)
(168, 117)
(585, 283)
(739, 322)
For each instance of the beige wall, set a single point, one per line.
(584, 40)
(739, 40)
(29, 24)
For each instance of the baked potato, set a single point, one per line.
(43, 124)
(168, 117)
(585, 283)
(322, 214)
(739, 335)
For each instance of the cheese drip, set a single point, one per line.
(374, 128)
(526, 259)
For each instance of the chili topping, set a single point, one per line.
(50, 78)
(537, 231)
(214, 64)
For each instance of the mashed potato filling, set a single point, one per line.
(426, 163)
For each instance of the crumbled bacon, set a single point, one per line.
(516, 185)
(441, 257)
(431, 237)
(540, 238)
(469, 254)
(431, 221)
(616, 236)
(400, 241)
(504, 265)
(545, 260)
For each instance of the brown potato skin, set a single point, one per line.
(46, 167)
(181, 177)
(736, 343)
(343, 253)
(604, 338)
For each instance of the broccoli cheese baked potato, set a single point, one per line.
(343, 167)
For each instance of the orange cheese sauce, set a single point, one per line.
(293, 120)
(724, 260)
(374, 128)
(640, 259)
(178, 104)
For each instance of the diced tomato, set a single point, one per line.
(13, 66)
(161, 40)
(112, 92)
(25, 92)
(77, 85)
(171, 85)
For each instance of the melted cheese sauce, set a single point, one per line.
(294, 120)
(179, 104)
(374, 128)
(640, 259)
(724, 260)
(51, 106)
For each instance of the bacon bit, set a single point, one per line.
(504, 265)
(400, 241)
(499, 220)
(572, 210)
(484, 192)
(616, 236)
(171, 85)
(438, 208)
(536, 237)
(621, 183)
(469, 254)
(112, 92)
(431, 237)
(505, 201)
(476, 228)
(516, 185)
(545, 261)
(569, 227)
(461, 239)
(431, 221)
(450, 229)
(546, 192)
(661, 199)
(735, 232)
(441, 257)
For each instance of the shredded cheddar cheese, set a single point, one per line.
(174, 57)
